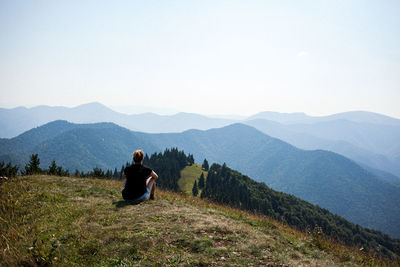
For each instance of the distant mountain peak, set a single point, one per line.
(95, 104)
(281, 117)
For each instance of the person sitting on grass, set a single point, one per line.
(139, 180)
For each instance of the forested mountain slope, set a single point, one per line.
(227, 186)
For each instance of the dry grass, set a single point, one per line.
(67, 221)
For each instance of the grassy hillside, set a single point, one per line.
(47, 220)
(188, 175)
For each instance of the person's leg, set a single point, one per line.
(151, 184)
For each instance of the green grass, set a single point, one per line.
(188, 175)
(57, 221)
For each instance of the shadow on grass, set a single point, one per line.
(124, 203)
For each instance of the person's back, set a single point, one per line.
(135, 185)
(140, 180)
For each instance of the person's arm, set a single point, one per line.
(154, 175)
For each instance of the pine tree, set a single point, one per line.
(195, 189)
(122, 172)
(59, 171)
(52, 168)
(191, 159)
(8, 170)
(146, 159)
(201, 181)
(33, 166)
(97, 172)
(205, 165)
(115, 174)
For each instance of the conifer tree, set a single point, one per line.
(146, 159)
(97, 172)
(52, 168)
(8, 170)
(122, 172)
(191, 159)
(195, 189)
(205, 165)
(115, 174)
(33, 166)
(201, 181)
(59, 171)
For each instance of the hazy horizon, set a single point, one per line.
(168, 111)
(208, 57)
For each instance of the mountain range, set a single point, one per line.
(370, 139)
(372, 145)
(324, 178)
(18, 120)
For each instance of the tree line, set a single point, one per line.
(168, 165)
(33, 167)
(8, 170)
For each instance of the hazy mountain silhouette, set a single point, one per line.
(300, 118)
(18, 120)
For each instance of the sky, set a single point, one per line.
(209, 57)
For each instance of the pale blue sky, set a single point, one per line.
(209, 57)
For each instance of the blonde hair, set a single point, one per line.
(138, 156)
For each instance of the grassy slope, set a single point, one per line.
(71, 221)
(188, 176)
